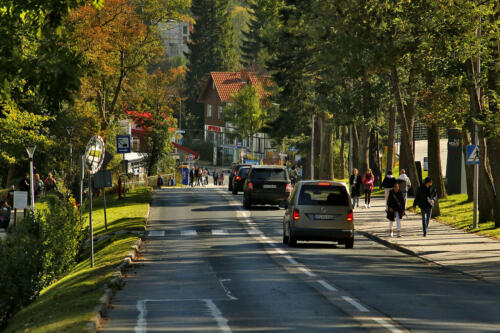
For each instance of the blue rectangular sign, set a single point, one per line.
(123, 144)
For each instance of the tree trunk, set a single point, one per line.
(434, 154)
(355, 148)
(342, 149)
(494, 155)
(364, 148)
(469, 169)
(317, 146)
(390, 139)
(374, 162)
(326, 149)
(405, 149)
(10, 174)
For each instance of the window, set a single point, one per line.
(269, 174)
(317, 195)
(209, 110)
(185, 30)
(219, 112)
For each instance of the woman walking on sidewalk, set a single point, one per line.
(388, 183)
(395, 208)
(355, 183)
(367, 180)
(425, 198)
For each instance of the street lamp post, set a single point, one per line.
(30, 149)
(69, 129)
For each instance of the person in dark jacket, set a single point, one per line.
(355, 184)
(388, 183)
(425, 198)
(395, 208)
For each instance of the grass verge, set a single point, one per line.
(457, 212)
(67, 305)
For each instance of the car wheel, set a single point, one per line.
(292, 241)
(285, 237)
(247, 204)
(349, 243)
(235, 191)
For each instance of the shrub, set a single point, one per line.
(37, 252)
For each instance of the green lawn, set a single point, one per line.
(457, 212)
(67, 305)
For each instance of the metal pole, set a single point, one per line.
(105, 216)
(91, 224)
(82, 176)
(475, 219)
(32, 188)
(125, 175)
(312, 149)
(180, 112)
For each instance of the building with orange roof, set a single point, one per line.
(215, 95)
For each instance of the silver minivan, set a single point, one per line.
(319, 210)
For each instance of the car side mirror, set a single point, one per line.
(283, 204)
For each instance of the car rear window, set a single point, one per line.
(243, 172)
(323, 195)
(269, 174)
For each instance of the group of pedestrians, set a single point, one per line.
(218, 177)
(40, 187)
(198, 176)
(395, 196)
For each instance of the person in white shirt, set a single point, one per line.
(406, 179)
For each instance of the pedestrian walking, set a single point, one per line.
(395, 209)
(355, 184)
(294, 175)
(191, 177)
(159, 181)
(215, 175)
(221, 177)
(206, 174)
(50, 182)
(171, 181)
(24, 184)
(404, 184)
(199, 179)
(367, 180)
(38, 186)
(388, 183)
(425, 198)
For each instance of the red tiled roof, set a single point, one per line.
(227, 83)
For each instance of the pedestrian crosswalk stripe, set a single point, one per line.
(156, 233)
(189, 233)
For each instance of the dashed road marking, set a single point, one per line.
(291, 260)
(355, 304)
(189, 233)
(390, 327)
(217, 314)
(280, 251)
(219, 232)
(141, 325)
(306, 271)
(327, 286)
(156, 233)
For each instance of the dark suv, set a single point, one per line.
(234, 172)
(266, 184)
(239, 179)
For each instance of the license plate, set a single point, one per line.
(269, 186)
(324, 217)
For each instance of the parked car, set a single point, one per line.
(319, 211)
(239, 179)
(4, 214)
(266, 184)
(233, 173)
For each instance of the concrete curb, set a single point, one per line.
(101, 310)
(410, 252)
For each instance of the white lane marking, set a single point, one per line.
(242, 213)
(355, 304)
(270, 242)
(390, 327)
(156, 233)
(291, 260)
(141, 325)
(214, 310)
(228, 292)
(254, 231)
(326, 285)
(264, 237)
(280, 251)
(306, 271)
(219, 232)
(189, 233)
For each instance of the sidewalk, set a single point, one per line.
(444, 245)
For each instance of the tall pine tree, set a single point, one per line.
(212, 48)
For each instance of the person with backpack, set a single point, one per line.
(159, 181)
(404, 184)
(355, 184)
(367, 181)
(388, 183)
(215, 175)
(395, 208)
(425, 198)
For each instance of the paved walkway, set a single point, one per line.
(444, 245)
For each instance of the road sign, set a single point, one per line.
(123, 144)
(94, 154)
(472, 154)
(103, 179)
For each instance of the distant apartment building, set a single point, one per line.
(175, 37)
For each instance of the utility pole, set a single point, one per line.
(312, 149)
(475, 219)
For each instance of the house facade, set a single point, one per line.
(215, 97)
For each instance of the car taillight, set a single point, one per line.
(323, 184)
(350, 216)
(288, 187)
(234, 172)
(250, 186)
(296, 214)
(238, 178)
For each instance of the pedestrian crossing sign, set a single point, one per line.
(472, 154)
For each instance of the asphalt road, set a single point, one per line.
(208, 266)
